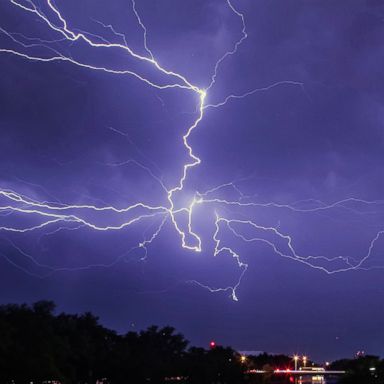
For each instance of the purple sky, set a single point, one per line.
(76, 136)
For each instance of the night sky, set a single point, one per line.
(309, 139)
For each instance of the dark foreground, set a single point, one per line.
(38, 346)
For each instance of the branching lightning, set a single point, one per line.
(63, 216)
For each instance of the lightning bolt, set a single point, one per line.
(63, 216)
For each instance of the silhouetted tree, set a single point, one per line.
(217, 365)
(366, 369)
(38, 346)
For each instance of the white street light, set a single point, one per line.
(296, 359)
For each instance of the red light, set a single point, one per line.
(212, 344)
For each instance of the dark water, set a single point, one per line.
(295, 380)
(314, 380)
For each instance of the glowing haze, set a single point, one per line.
(144, 128)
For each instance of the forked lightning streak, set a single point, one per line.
(60, 216)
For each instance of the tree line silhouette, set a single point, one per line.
(38, 346)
